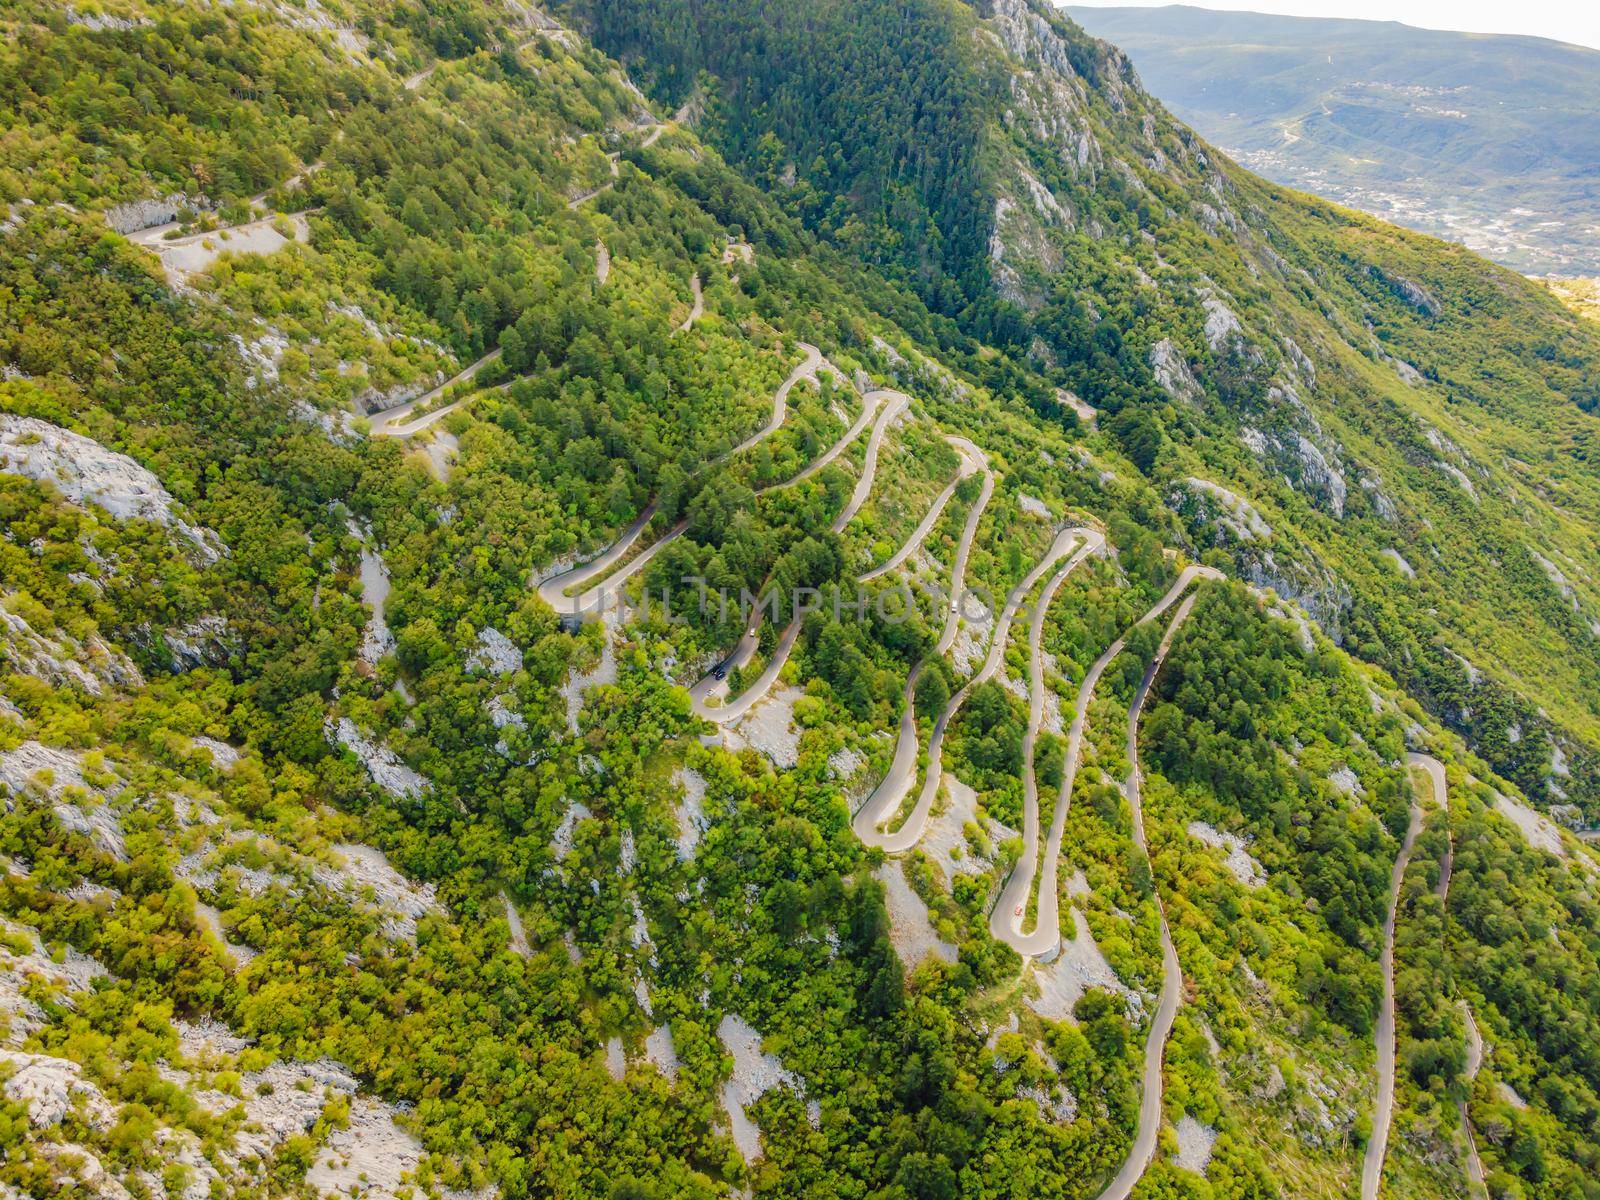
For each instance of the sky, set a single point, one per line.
(1564, 20)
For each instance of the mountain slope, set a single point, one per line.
(1485, 140)
(1311, 360)
(350, 844)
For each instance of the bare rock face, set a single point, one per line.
(495, 653)
(755, 1073)
(54, 1088)
(1236, 858)
(1306, 465)
(1172, 372)
(60, 659)
(203, 642)
(382, 763)
(85, 472)
(1222, 324)
(365, 871)
(55, 769)
(143, 214)
(372, 1157)
(1314, 587)
(1222, 507)
(1412, 292)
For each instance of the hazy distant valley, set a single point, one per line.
(1487, 141)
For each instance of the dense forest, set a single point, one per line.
(347, 349)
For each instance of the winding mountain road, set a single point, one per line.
(809, 368)
(972, 461)
(698, 308)
(1143, 1150)
(1004, 921)
(391, 422)
(885, 800)
(1383, 1109)
(555, 589)
(1030, 736)
(713, 686)
(1475, 1177)
(612, 161)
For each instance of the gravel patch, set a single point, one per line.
(769, 729)
(754, 1074)
(1195, 1143)
(661, 1053)
(1400, 563)
(945, 839)
(185, 256)
(605, 672)
(519, 936)
(616, 1060)
(372, 1158)
(1511, 1096)
(441, 450)
(1244, 868)
(376, 640)
(910, 927)
(1081, 965)
(1539, 830)
(691, 813)
(972, 639)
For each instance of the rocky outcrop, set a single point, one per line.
(1409, 290)
(366, 874)
(61, 660)
(1172, 372)
(1317, 589)
(85, 472)
(1236, 858)
(495, 654)
(203, 642)
(1304, 463)
(1222, 323)
(385, 767)
(135, 215)
(754, 1075)
(1211, 503)
(51, 1089)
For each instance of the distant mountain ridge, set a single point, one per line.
(1487, 140)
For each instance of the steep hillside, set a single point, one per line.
(1485, 140)
(397, 406)
(1416, 429)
